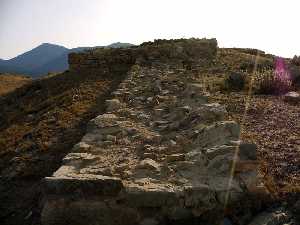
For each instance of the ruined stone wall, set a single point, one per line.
(196, 50)
(102, 60)
(161, 154)
(181, 52)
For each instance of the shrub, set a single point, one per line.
(296, 60)
(295, 74)
(235, 81)
(272, 82)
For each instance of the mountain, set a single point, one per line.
(44, 59)
(27, 62)
(120, 45)
(57, 64)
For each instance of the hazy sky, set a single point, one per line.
(270, 25)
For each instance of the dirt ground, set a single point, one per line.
(274, 125)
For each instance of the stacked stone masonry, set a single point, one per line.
(160, 153)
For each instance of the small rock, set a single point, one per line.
(175, 157)
(173, 143)
(159, 112)
(30, 117)
(149, 99)
(143, 116)
(131, 131)
(113, 105)
(28, 215)
(105, 123)
(174, 126)
(219, 150)
(148, 164)
(81, 147)
(111, 138)
(149, 155)
(121, 168)
(92, 138)
(160, 123)
(292, 97)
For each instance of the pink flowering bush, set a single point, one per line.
(276, 81)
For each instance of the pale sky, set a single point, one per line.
(269, 25)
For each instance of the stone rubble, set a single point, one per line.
(160, 153)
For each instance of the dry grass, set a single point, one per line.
(39, 124)
(9, 83)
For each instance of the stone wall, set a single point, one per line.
(181, 52)
(161, 154)
(103, 60)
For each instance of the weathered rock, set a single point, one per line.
(81, 147)
(148, 164)
(104, 120)
(83, 185)
(83, 157)
(220, 133)
(152, 196)
(175, 157)
(113, 105)
(111, 138)
(201, 197)
(292, 97)
(220, 150)
(276, 217)
(212, 112)
(195, 92)
(92, 138)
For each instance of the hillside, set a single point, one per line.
(9, 83)
(41, 121)
(44, 59)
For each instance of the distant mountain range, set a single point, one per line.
(44, 59)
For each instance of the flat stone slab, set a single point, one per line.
(152, 195)
(84, 185)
